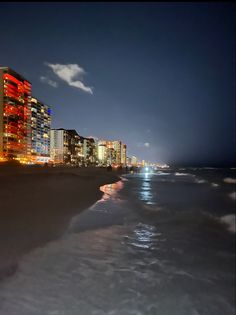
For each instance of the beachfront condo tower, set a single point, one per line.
(66, 147)
(40, 131)
(123, 154)
(15, 115)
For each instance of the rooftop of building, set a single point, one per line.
(14, 73)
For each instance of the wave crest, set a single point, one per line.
(230, 221)
(230, 180)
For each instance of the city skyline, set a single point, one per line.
(26, 134)
(158, 76)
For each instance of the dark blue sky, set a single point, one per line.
(162, 75)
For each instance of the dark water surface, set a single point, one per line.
(159, 243)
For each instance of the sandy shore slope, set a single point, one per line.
(37, 203)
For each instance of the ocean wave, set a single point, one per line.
(162, 173)
(230, 180)
(200, 181)
(233, 195)
(154, 208)
(181, 174)
(215, 185)
(230, 221)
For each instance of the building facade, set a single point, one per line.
(40, 131)
(58, 145)
(89, 151)
(134, 161)
(102, 152)
(123, 154)
(66, 147)
(15, 115)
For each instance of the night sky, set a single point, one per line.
(159, 77)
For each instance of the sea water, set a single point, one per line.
(161, 243)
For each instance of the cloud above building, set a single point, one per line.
(72, 74)
(48, 81)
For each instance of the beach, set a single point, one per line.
(37, 203)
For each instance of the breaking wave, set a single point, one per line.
(200, 181)
(215, 185)
(230, 180)
(181, 174)
(230, 221)
(233, 195)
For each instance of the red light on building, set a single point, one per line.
(15, 94)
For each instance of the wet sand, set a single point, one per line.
(37, 203)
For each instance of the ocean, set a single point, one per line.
(158, 243)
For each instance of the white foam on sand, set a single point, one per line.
(230, 180)
(230, 221)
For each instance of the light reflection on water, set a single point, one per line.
(121, 268)
(146, 194)
(144, 236)
(111, 190)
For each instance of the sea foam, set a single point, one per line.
(233, 195)
(230, 221)
(181, 174)
(230, 180)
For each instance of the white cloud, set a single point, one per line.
(48, 81)
(69, 73)
(141, 145)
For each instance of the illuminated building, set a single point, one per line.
(111, 153)
(128, 161)
(15, 115)
(58, 145)
(117, 148)
(66, 146)
(123, 154)
(102, 152)
(134, 161)
(40, 131)
(75, 148)
(89, 151)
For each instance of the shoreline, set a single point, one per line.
(37, 204)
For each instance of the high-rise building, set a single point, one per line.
(89, 151)
(58, 145)
(128, 161)
(66, 146)
(111, 153)
(117, 148)
(40, 131)
(15, 115)
(75, 148)
(123, 154)
(134, 161)
(102, 152)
